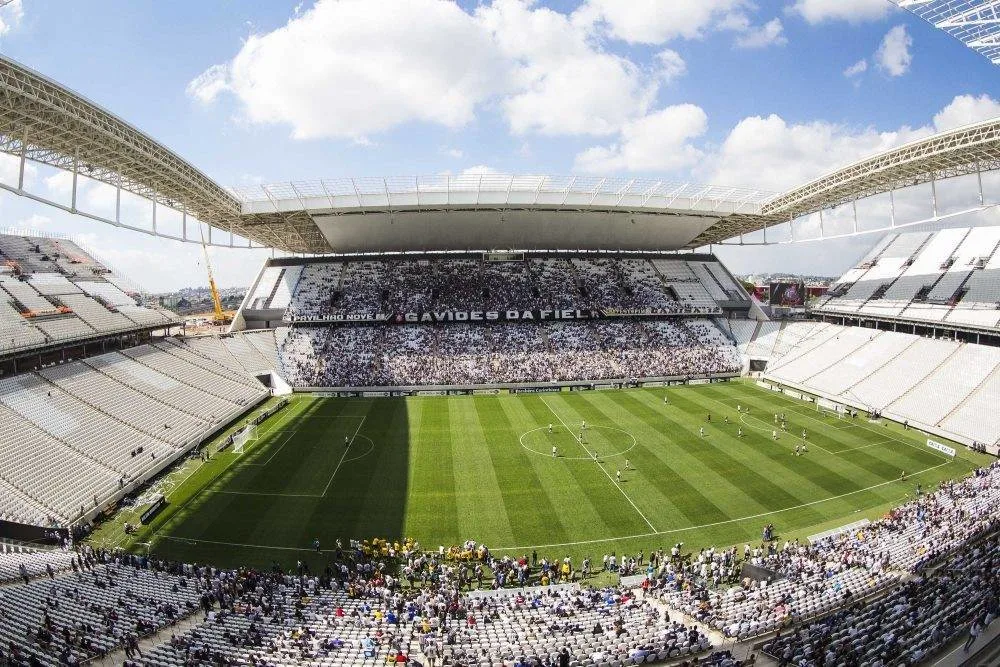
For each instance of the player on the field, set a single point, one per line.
(774, 435)
(701, 431)
(555, 452)
(347, 441)
(583, 425)
(709, 418)
(803, 434)
(739, 432)
(797, 452)
(550, 427)
(618, 474)
(628, 464)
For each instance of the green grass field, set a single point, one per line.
(446, 469)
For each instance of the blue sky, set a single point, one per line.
(718, 91)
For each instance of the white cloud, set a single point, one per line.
(769, 153)
(348, 68)
(965, 110)
(769, 34)
(857, 68)
(565, 84)
(351, 68)
(33, 221)
(657, 22)
(660, 141)
(452, 152)
(10, 16)
(208, 85)
(854, 11)
(893, 56)
(670, 65)
(480, 169)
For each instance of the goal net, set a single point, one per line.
(245, 435)
(830, 408)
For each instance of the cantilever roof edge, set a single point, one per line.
(961, 151)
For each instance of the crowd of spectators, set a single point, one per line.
(809, 580)
(371, 603)
(904, 627)
(464, 354)
(389, 286)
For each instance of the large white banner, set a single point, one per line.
(944, 449)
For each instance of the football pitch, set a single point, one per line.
(443, 470)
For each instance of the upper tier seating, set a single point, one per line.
(351, 288)
(52, 292)
(948, 277)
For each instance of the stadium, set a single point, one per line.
(488, 419)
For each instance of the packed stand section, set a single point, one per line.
(359, 289)
(468, 354)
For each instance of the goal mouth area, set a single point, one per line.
(246, 435)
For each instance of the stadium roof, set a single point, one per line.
(975, 23)
(43, 121)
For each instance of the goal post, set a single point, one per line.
(831, 408)
(245, 435)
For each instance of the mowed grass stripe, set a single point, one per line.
(665, 477)
(442, 501)
(618, 515)
(431, 508)
(370, 493)
(714, 475)
(482, 509)
(574, 513)
(742, 457)
(753, 480)
(860, 464)
(529, 508)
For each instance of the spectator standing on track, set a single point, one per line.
(974, 630)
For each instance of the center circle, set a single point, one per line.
(617, 441)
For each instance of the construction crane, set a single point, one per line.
(220, 316)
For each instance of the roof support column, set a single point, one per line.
(76, 169)
(854, 207)
(979, 178)
(934, 195)
(892, 209)
(24, 157)
(118, 201)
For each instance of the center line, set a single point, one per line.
(342, 456)
(601, 467)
